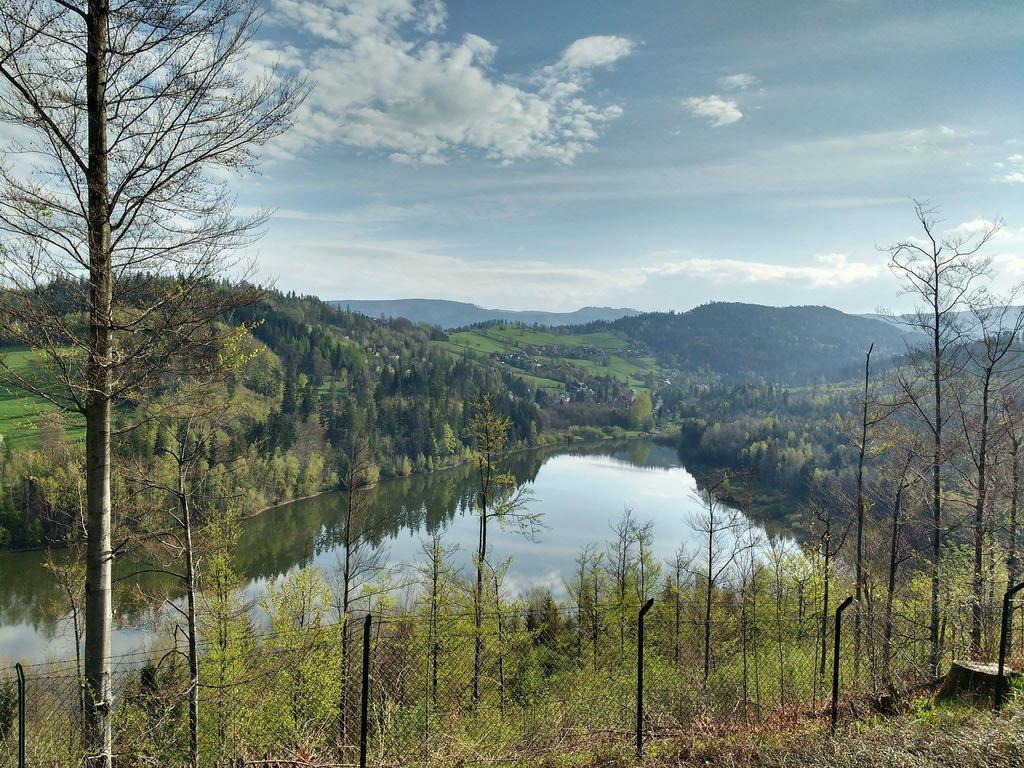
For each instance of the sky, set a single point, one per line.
(653, 154)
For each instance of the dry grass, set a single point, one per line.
(930, 737)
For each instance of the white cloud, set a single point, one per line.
(738, 82)
(973, 227)
(832, 270)
(384, 83)
(596, 51)
(1013, 176)
(717, 110)
(1006, 247)
(398, 269)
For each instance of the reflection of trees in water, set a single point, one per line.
(280, 539)
(31, 596)
(28, 590)
(274, 542)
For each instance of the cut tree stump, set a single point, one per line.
(973, 679)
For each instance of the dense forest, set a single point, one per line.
(748, 342)
(311, 382)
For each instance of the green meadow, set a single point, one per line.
(560, 349)
(22, 414)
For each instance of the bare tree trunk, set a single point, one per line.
(826, 579)
(501, 650)
(890, 587)
(434, 615)
(935, 656)
(478, 597)
(859, 586)
(595, 618)
(977, 617)
(193, 653)
(343, 703)
(708, 597)
(1012, 562)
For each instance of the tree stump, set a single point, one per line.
(973, 679)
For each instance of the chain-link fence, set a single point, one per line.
(468, 688)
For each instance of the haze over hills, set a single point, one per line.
(456, 314)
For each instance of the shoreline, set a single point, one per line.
(521, 449)
(560, 444)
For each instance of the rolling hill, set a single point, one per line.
(742, 342)
(457, 314)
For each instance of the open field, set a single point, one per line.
(602, 353)
(21, 414)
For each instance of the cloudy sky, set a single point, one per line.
(655, 154)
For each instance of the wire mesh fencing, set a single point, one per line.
(471, 687)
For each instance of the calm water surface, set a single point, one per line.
(580, 492)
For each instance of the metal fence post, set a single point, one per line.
(640, 677)
(364, 705)
(1003, 632)
(21, 714)
(837, 632)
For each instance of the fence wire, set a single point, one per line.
(444, 690)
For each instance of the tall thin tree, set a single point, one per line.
(939, 272)
(116, 232)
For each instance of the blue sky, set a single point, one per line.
(651, 154)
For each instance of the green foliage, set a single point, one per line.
(641, 412)
(749, 342)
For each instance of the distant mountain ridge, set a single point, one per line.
(456, 314)
(743, 342)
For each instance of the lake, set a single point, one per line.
(579, 491)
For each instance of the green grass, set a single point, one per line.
(509, 339)
(22, 414)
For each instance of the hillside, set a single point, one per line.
(456, 314)
(744, 342)
(556, 358)
(732, 343)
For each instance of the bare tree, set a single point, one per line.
(437, 578)
(647, 569)
(1013, 427)
(871, 415)
(829, 541)
(901, 479)
(358, 561)
(620, 564)
(679, 572)
(499, 500)
(69, 574)
(578, 590)
(189, 426)
(940, 272)
(721, 529)
(993, 363)
(116, 231)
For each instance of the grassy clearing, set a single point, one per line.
(558, 348)
(21, 414)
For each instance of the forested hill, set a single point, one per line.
(729, 342)
(456, 314)
(313, 384)
(742, 342)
